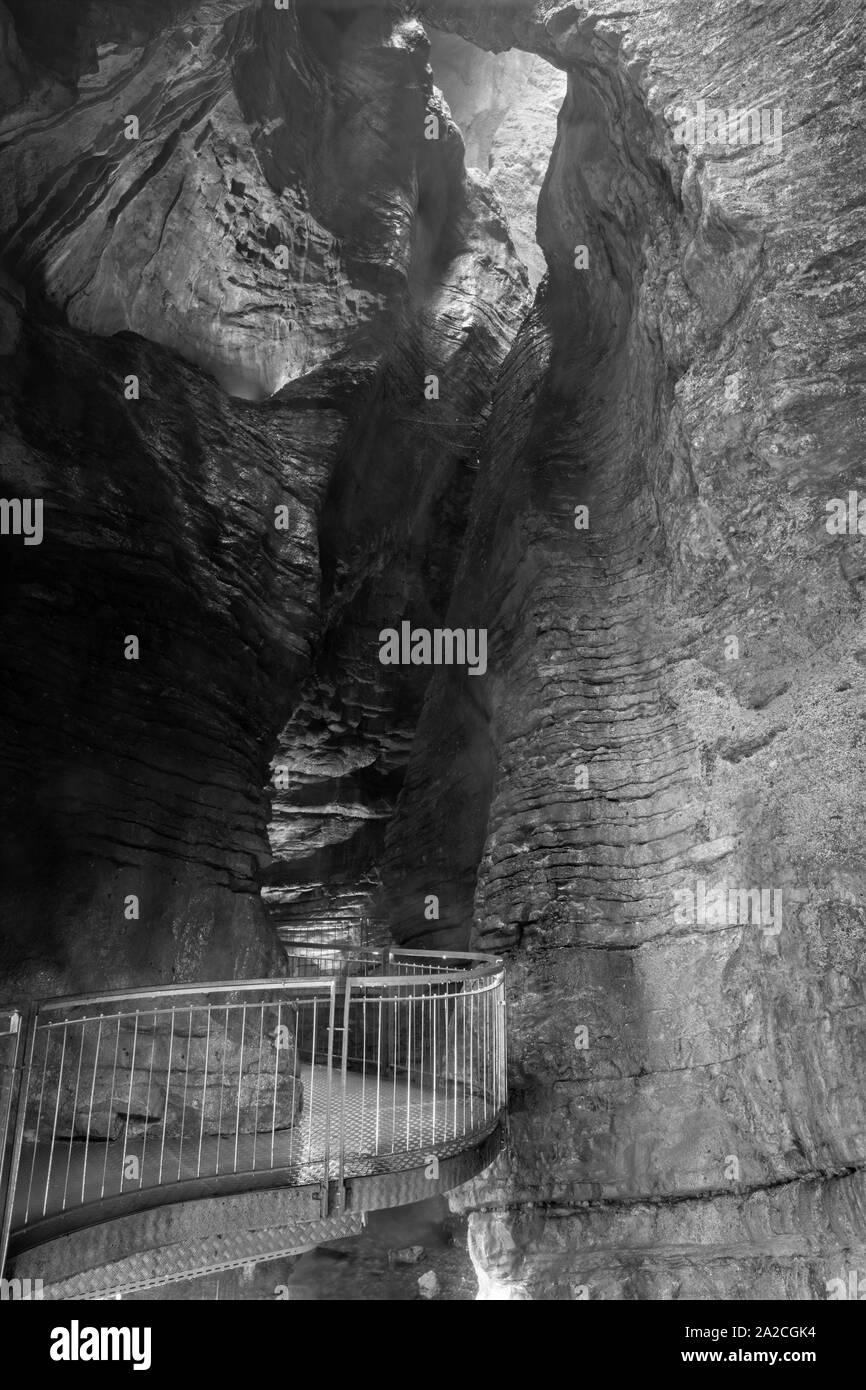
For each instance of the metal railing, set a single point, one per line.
(10, 1047)
(320, 959)
(387, 1059)
(314, 950)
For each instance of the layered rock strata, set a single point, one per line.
(243, 204)
(675, 700)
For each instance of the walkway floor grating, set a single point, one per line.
(388, 1124)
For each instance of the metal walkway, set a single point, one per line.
(377, 1081)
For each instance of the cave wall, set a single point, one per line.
(144, 778)
(391, 529)
(686, 1108)
(261, 218)
(197, 410)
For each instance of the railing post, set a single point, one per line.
(326, 1162)
(344, 1068)
(16, 1105)
(390, 1023)
(503, 1047)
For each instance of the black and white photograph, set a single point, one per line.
(432, 672)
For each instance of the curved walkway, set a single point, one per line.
(141, 1124)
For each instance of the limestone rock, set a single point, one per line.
(693, 388)
(410, 1255)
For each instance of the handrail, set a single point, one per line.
(280, 982)
(141, 1096)
(12, 1019)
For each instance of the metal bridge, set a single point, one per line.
(153, 1135)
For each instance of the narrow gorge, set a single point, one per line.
(526, 317)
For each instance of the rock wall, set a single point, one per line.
(675, 696)
(280, 229)
(252, 218)
(133, 789)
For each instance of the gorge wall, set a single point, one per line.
(206, 325)
(674, 693)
